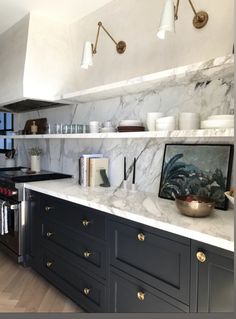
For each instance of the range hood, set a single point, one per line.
(36, 65)
(27, 105)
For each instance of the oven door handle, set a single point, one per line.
(12, 207)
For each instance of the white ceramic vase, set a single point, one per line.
(35, 163)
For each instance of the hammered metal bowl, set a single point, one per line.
(194, 205)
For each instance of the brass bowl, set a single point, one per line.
(194, 205)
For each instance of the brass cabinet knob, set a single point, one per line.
(49, 234)
(141, 295)
(49, 264)
(201, 256)
(48, 208)
(141, 237)
(86, 222)
(87, 254)
(87, 291)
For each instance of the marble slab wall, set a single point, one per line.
(207, 98)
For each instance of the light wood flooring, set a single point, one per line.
(23, 290)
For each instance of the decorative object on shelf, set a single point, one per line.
(189, 121)
(218, 121)
(40, 123)
(130, 129)
(90, 49)
(133, 187)
(125, 175)
(10, 160)
(167, 123)
(151, 120)
(34, 128)
(201, 169)
(170, 14)
(35, 153)
(94, 127)
(194, 206)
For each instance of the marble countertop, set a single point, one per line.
(146, 208)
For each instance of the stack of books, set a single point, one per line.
(90, 166)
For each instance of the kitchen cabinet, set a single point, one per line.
(212, 278)
(157, 258)
(69, 241)
(107, 263)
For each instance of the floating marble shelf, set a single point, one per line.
(208, 133)
(196, 72)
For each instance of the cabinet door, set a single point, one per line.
(129, 294)
(34, 227)
(212, 279)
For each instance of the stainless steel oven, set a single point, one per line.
(12, 240)
(13, 201)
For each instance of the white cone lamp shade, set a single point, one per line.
(167, 20)
(87, 58)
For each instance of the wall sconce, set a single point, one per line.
(170, 14)
(90, 49)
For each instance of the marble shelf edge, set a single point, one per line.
(206, 133)
(193, 72)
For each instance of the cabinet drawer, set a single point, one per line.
(85, 290)
(74, 216)
(131, 295)
(160, 262)
(77, 248)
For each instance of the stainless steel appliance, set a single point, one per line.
(12, 200)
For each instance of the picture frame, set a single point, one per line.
(197, 169)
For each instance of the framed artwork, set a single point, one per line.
(197, 169)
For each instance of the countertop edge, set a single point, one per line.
(181, 231)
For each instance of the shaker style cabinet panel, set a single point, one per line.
(129, 294)
(77, 284)
(159, 261)
(76, 217)
(212, 279)
(78, 248)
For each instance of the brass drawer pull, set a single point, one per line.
(201, 256)
(141, 237)
(49, 264)
(87, 254)
(49, 234)
(141, 295)
(86, 222)
(87, 291)
(48, 208)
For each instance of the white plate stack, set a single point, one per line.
(218, 121)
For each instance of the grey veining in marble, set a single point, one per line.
(145, 208)
(206, 97)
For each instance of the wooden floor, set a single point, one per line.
(23, 290)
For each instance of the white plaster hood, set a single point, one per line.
(35, 64)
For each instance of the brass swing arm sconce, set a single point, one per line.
(200, 18)
(120, 46)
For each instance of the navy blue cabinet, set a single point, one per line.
(109, 264)
(212, 288)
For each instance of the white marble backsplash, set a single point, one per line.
(207, 98)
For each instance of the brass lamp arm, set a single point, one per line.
(120, 46)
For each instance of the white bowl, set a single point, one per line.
(217, 124)
(221, 117)
(166, 119)
(130, 123)
(230, 198)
